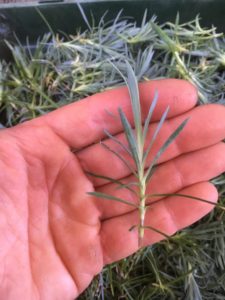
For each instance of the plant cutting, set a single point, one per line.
(139, 149)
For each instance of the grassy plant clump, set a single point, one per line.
(60, 70)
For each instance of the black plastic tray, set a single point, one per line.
(23, 19)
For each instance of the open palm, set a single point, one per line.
(55, 237)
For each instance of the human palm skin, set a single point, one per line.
(55, 237)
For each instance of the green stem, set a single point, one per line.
(142, 207)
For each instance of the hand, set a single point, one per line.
(55, 237)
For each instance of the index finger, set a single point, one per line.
(82, 123)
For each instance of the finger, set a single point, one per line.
(82, 123)
(205, 127)
(169, 177)
(167, 216)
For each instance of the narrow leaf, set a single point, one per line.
(164, 147)
(132, 85)
(132, 227)
(109, 197)
(144, 18)
(156, 230)
(151, 228)
(149, 116)
(130, 137)
(120, 157)
(163, 36)
(185, 196)
(127, 185)
(158, 128)
(110, 179)
(84, 16)
(117, 141)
